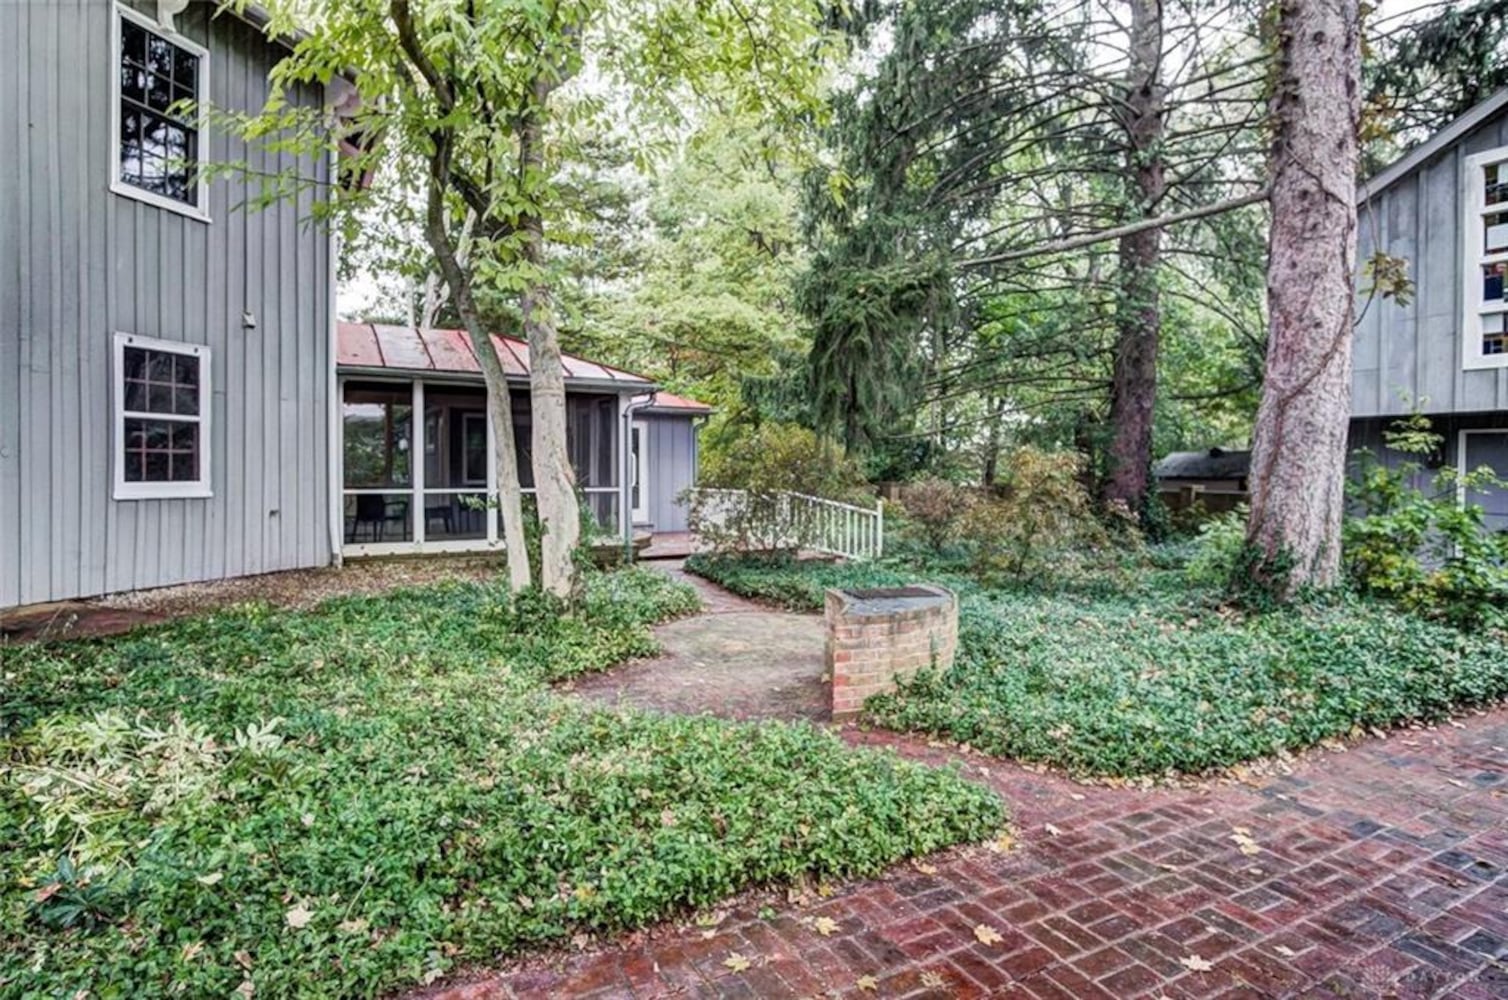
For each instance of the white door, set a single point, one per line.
(639, 484)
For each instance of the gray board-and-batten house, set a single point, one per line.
(1443, 206)
(173, 406)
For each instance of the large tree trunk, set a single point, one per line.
(499, 402)
(1299, 447)
(1133, 390)
(554, 480)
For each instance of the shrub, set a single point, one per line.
(1218, 549)
(1419, 545)
(741, 504)
(936, 507)
(1044, 515)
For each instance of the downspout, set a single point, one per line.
(335, 426)
(634, 406)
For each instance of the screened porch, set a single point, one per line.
(417, 472)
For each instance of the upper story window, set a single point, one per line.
(159, 152)
(1486, 260)
(161, 418)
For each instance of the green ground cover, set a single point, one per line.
(1138, 671)
(349, 800)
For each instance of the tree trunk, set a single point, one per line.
(1299, 446)
(1138, 317)
(554, 480)
(499, 403)
(992, 443)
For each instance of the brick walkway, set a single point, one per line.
(1381, 871)
(737, 659)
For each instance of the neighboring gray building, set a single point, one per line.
(1443, 207)
(171, 409)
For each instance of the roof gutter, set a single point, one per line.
(475, 378)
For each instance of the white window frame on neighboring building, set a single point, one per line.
(1473, 193)
(200, 209)
(138, 490)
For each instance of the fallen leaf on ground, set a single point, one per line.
(243, 959)
(924, 868)
(824, 925)
(1196, 963)
(1003, 843)
(736, 962)
(867, 983)
(1285, 951)
(191, 951)
(1242, 836)
(932, 980)
(987, 934)
(1052, 830)
(298, 917)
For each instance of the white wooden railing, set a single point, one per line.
(797, 520)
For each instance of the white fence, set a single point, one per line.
(792, 520)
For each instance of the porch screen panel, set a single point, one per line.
(377, 459)
(378, 425)
(455, 464)
(591, 440)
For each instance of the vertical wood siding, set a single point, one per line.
(1410, 356)
(672, 467)
(81, 263)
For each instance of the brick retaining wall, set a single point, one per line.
(877, 637)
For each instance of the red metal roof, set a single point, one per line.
(372, 345)
(670, 401)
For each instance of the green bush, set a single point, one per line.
(1043, 519)
(1218, 549)
(1419, 545)
(935, 509)
(345, 801)
(741, 504)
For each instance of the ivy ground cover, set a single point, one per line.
(1141, 672)
(359, 798)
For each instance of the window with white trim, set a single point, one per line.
(1485, 322)
(160, 82)
(161, 418)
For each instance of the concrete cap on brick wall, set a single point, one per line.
(876, 637)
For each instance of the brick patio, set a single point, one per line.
(1376, 872)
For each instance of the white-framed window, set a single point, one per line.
(1484, 323)
(161, 413)
(157, 152)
